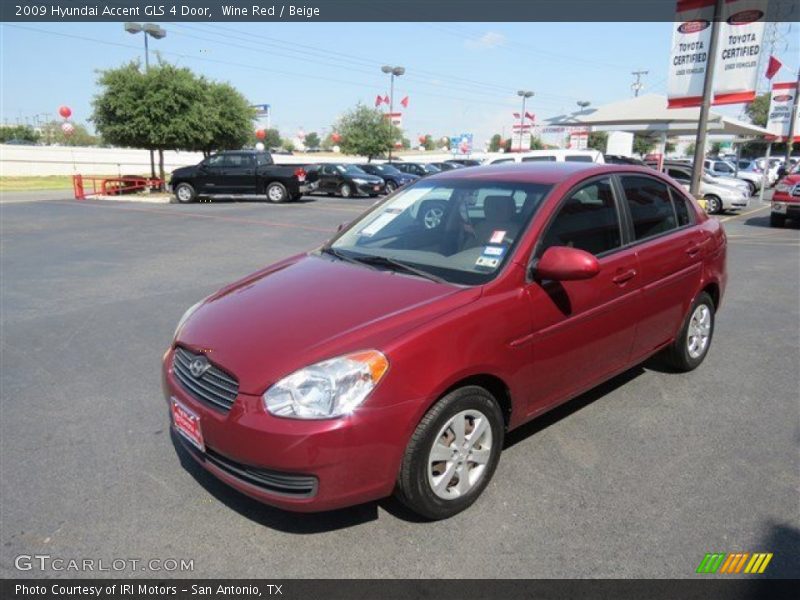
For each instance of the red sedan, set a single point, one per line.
(396, 357)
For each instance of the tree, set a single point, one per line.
(716, 148)
(366, 132)
(758, 110)
(406, 143)
(25, 133)
(288, 145)
(669, 147)
(272, 138)
(428, 143)
(536, 143)
(495, 143)
(642, 144)
(598, 140)
(229, 118)
(312, 140)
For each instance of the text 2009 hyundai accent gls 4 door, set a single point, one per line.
(395, 358)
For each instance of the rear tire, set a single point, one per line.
(752, 188)
(438, 488)
(713, 205)
(277, 193)
(776, 220)
(185, 193)
(691, 346)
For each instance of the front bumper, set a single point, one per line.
(294, 464)
(734, 202)
(369, 189)
(789, 209)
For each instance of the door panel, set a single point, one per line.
(210, 176)
(239, 174)
(583, 331)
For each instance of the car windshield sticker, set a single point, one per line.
(486, 261)
(497, 237)
(497, 251)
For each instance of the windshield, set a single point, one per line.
(460, 231)
(385, 169)
(429, 168)
(350, 170)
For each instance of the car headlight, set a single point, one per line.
(783, 187)
(189, 312)
(360, 181)
(327, 389)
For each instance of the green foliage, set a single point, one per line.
(366, 132)
(642, 144)
(312, 140)
(24, 133)
(758, 110)
(690, 149)
(288, 145)
(669, 147)
(536, 144)
(406, 143)
(716, 148)
(170, 107)
(429, 143)
(495, 143)
(272, 139)
(80, 136)
(598, 140)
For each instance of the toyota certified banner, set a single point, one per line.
(780, 110)
(741, 36)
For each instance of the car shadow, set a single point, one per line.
(763, 221)
(268, 516)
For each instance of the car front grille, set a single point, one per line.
(274, 482)
(796, 190)
(207, 383)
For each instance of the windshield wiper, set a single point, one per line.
(385, 261)
(340, 255)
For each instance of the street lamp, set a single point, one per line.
(149, 29)
(524, 94)
(583, 104)
(392, 72)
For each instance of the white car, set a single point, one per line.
(772, 171)
(718, 197)
(723, 168)
(547, 156)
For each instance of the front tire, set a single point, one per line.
(776, 220)
(691, 346)
(185, 193)
(713, 204)
(345, 191)
(390, 187)
(277, 193)
(452, 454)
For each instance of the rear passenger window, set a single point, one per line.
(578, 158)
(682, 210)
(588, 220)
(650, 206)
(538, 159)
(502, 160)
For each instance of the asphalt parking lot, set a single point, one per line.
(638, 478)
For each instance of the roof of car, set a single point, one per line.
(536, 172)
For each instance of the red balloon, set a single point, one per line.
(65, 111)
(336, 138)
(261, 134)
(422, 139)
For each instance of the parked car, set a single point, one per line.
(242, 173)
(446, 166)
(718, 197)
(393, 177)
(749, 166)
(414, 168)
(784, 169)
(396, 357)
(616, 159)
(786, 199)
(771, 165)
(547, 156)
(347, 180)
(465, 162)
(723, 168)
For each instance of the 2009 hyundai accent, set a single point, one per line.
(395, 358)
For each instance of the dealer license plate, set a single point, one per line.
(187, 423)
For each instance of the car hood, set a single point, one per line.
(183, 171)
(307, 309)
(369, 178)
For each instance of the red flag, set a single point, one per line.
(516, 115)
(404, 102)
(773, 67)
(386, 99)
(378, 100)
(530, 116)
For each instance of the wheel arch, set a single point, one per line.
(492, 384)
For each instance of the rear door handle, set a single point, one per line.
(624, 276)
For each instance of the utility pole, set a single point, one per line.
(705, 108)
(792, 122)
(524, 94)
(392, 72)
(638, 85)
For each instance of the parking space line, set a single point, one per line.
(744, 214)
(196, 215)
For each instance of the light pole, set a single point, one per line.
(637, 86)
(524, 94)
(149, 29)
(392, 72)
(583, 104)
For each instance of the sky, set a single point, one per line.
(460, 77)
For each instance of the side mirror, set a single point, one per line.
(562, 263)
(342, 226)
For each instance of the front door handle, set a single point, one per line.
(624, 276)
(693, 250)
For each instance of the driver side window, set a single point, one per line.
(215, 161)
(587, 220)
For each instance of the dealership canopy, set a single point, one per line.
(649, 113)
